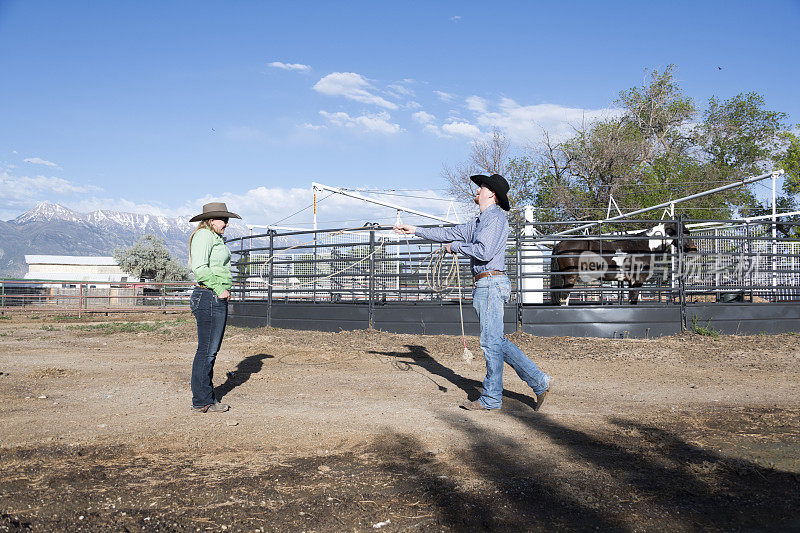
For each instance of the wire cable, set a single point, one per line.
(301, 210)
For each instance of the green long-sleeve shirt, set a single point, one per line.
(211, 261)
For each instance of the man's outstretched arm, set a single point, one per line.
(455, 233)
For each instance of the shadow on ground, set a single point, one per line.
(627, 476)
(419, 357)
(624, 475)
(248, 366)
(537, 474)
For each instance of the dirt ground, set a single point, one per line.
(360, 431)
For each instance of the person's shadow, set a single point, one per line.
(248, 366)
(420, 357)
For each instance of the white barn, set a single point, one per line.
(71, 269)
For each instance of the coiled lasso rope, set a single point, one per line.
(435, 267)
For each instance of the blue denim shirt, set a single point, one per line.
(483, 240)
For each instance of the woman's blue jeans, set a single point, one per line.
(211, 314)
(488, 297)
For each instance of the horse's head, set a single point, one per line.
(671, 229)
(657, 241)
(665, 234)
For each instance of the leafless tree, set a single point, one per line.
(488, 156)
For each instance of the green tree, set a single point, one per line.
(789, 160)
(651, 151)
(659, 112)
(148, 258)
(739, 136)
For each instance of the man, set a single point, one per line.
(484, 241)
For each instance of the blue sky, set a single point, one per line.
(162, 106)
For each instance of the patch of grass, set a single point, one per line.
(129, 327)
(50, 328)
(34, 317)
(705, 330)
(5, 317)
(68, 317)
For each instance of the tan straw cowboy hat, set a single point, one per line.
(214, 210)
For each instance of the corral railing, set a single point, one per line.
(81, 297)
(734, 261)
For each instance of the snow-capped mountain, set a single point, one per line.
(52, 229)
(45, 212)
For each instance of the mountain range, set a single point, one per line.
(51, 229)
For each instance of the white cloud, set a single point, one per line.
(453, 129)
(265, 205)
(371, 122)
(290, 66)
(434, 130)
(423, 118)
(352, 86)
(476, 103)
(87, 205)
(445, 97)
(313, 127)
(464, 129)
(40, 161)
(27, 187)
(525, 123)
(20, 193)
(400, 90)
(337, 119)
(413, 105)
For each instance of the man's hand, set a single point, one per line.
(405, 229)
(224, 295)
(449, 248)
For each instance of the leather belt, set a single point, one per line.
(488, 273)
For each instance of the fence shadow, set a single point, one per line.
(248, 366)
(626, 476)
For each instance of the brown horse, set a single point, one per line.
(622, 260)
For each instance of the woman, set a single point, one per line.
(211, 264)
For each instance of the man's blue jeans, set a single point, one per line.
(488, 297)
(211, 314)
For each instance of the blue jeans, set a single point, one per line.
(211, 314)
(488, 297)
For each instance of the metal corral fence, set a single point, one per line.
(704, 261)
(92, 297)
(350, 265)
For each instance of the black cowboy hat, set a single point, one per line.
(214, 210)
(497, 184)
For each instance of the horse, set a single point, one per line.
(621, 260)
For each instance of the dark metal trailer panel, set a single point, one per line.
(251, 314)
(745, 318)
(435, 319)
(423, 319)
(609, 321)
(320, 317)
